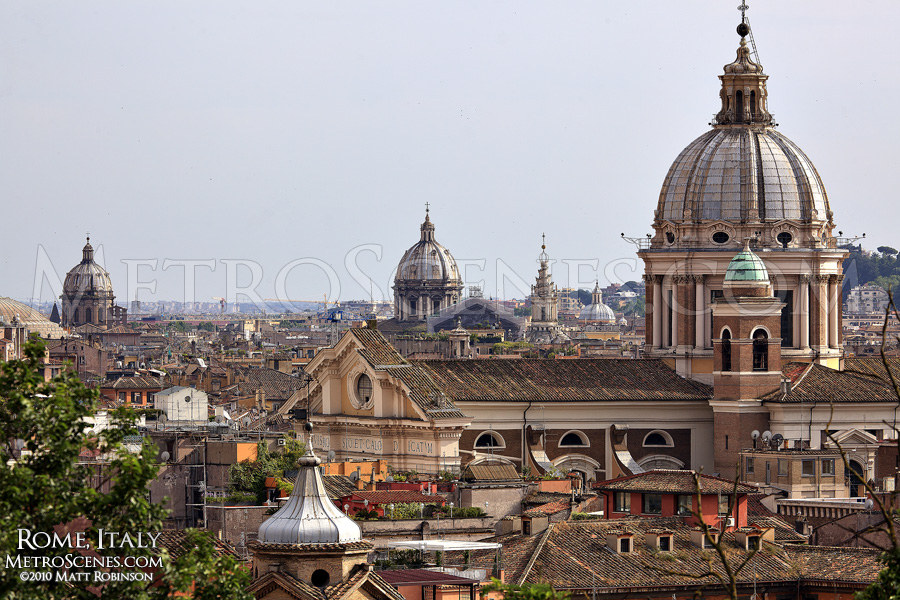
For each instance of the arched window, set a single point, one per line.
(726, 350)
(739, 107)
(658, 438)
(573, 439)
(489, 440)
(760, 351)
(87, 315)
(753, 104)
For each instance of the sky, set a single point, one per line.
(288, 148)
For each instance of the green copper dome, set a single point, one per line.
(746, 266)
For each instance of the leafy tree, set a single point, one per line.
(249, 477)
(887, 250)
(45, 490)
(522, 311)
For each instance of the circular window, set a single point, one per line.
(784, 238)
(720, 237)
(320, 578)
(670, 237)
(187, 398)
(363, 391)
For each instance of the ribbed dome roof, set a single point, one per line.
(743, 174)
(309, 516)
(427, 259)
(87, 276)
(596, 310)
(33, 321)
(746, 266)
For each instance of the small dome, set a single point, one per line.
(309, 516)
(428, 260)
(597, 312)
(746, 266)
(87, 276)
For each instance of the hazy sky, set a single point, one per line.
(295, 137)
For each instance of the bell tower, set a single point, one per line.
(746, 322)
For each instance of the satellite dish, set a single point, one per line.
(869, 504)
(164, 456)
(755, 434)
(354, 476)
(777, 440)
(220, 419)
(389, 479)
(331, 455)
(766, 436)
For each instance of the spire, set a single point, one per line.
(743, 93)
(309, 516)
(597, 295)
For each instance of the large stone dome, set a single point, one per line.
(87, 277)
(427, 259)
(742, 174)
(13, 311)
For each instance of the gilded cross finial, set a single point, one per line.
(743, 8)
(543, 241)
(427, 205)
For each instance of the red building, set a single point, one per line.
(665, 493)
(380, 500)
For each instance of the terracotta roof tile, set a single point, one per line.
(546, 380)
(673, 482)
(862, 380)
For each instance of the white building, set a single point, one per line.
(867, 299)
(184, 404)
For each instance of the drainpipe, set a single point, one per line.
(524, 436)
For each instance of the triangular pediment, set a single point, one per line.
(852, 438)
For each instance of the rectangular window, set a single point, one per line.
(150, 396)
(723, 504)
(653, 504)
(748, 465)
(827, 466)
(782, 467)
(753, 542)
(787, 317)
(624, 545)
(123, 397)
(622, 502)
(665, 543)
(685, 504)
(809, 468)
(135, 397)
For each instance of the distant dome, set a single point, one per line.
(596, 310)
(12, 310)
(87, 277)
(427, 259)
(742, 174)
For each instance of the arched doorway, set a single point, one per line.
(855, 479)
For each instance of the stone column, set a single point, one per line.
(700, 310)
(818, 313)
(658, 308)
(803, 310)
(684, 307)
(834, 312)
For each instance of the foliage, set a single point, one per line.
(506, 347)
(447, 476)
(635, 307)
(250, 476)
(887, 250)
(459, 512)
(407, 558)
(44, 489)
(362, 514)
(872, 268)
(407, 510)
(206, 326)
(522, 311)
(526, 591)
(580, 516)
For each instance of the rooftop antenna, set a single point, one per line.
(745, 30)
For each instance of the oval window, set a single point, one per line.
(364, 389)
(670, 237)
(784, 238)
(720, 237)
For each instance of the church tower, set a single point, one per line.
(746, 322)
(742, 179)
(544, 327)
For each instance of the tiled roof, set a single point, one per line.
(673, 482)
(815, 383)
(423, 576)
(135, 383)
(551, 508)
(275, 384)
(338, 486)
(575, 556)
(538, 498)
(365, 578)
(273, 580)
(423, 391)
(547, 380)
(397, 496)
(175, 541)
(491, 471)
(517, 551)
